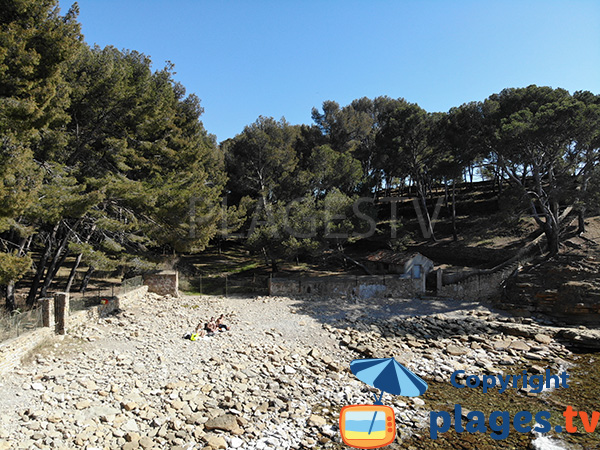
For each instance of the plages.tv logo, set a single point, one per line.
(374, 426)
(498, 424)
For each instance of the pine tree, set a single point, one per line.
(36, 43)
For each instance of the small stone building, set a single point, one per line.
(165, 282)
(413, 265)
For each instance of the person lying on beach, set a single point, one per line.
(198, 333)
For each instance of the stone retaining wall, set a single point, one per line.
(476, 287)
(340, 286)
(114, 303)
(14, 350)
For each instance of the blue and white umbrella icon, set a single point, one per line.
(389, 376)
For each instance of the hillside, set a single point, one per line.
(490, 233)
(566, 286)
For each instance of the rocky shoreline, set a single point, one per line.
(277, 380)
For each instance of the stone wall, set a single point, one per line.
(114, 303)
(476, 287)
(14, 350)
(340, 286)
(163, 283)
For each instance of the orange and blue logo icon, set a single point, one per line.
(367, 426)
(374, 426)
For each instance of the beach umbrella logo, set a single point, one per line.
(374, 426)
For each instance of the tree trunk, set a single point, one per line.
(427, 218)
(500, 179)
(552, 239)
(582, 208)
(41, 267)
(356, 263)
(388, 182)
(61, 262)
(59, 257)
(446, 196)
(10, 296)
(73, 272)
(38, 276)
(454, 233)
(581, 220)
(11, 305)
(551, 228)
(86, 279)
(78, 261)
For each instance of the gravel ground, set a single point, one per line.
(59, 398)
(276, 380)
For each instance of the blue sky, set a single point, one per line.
(281, 58)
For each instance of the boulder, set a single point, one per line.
(581, 338)
(543, 338)
(316, 421)
(215, 441)
(225, 422)
(456, 350)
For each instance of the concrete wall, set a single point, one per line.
(163, 283)
(14, 350)
(340, 286)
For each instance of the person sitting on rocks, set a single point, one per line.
(210, 327)
(220, 325)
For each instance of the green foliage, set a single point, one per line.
(97, 150)
(137, 265)
(13, 267)
(306, 227)
(539, 132)
(354, 130)
(92, 257)
(593, 191)
(36, 44)
(328, 169)
(62, 196)
(405, 136)
(105, 156)
(19, 178)
(261, 159)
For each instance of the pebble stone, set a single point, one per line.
(276, 380)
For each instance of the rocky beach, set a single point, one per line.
(276, 380)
